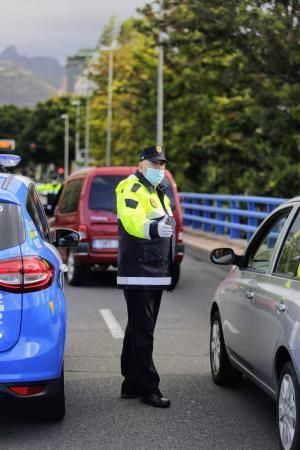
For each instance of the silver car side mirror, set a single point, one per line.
(226, 256)
(222, 256)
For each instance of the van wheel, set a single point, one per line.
(75, 271)
(288, 408)
(175, 274)
(223, 373)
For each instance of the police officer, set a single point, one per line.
(49, 190)
(146, 250)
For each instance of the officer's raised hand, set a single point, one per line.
(163, 229)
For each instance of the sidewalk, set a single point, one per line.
(209, 241)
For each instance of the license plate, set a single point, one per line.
(105, 243)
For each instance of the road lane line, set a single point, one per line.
(112, 323)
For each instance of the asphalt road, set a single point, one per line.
(202, 415)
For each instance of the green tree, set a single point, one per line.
(109, 33)
(231, 96)
(134, 97)
(45, 130)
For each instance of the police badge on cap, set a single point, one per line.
(153, 153)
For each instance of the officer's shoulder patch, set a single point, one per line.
(130, 203)
(153, 202)
(135, 187)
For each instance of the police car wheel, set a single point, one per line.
(55, 406)
(52, 408)
(222, 371)
(75, 272)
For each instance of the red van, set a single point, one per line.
(87, 203)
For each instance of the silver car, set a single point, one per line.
(255, 317)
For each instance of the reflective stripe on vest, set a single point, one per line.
(147, 281)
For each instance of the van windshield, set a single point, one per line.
(102, 194)
(103, 197)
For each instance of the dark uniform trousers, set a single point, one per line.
(137, 365)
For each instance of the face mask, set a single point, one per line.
(154, 176)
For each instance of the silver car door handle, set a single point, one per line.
(250, 295)
(281, 307)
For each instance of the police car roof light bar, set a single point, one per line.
(9, 160)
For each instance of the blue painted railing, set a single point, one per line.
(235, 215)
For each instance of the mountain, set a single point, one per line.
(46, 68)
(21, 87)
(27, 81)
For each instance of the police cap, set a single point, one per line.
(153, 153)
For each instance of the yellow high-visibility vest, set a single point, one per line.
(137, 207)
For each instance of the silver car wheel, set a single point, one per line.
(215, 347)
(71, 267)
(287, 412)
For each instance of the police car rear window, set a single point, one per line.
(11, 226)
(102, 194)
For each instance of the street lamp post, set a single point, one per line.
(160, 93)
(87, 131)
(77, 131)
(109, 100)
(109, 107)
(66, 148)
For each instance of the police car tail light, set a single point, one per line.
(37, 273)
(26, 274)
(11, 274)
(83, 232)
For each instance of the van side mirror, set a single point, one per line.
(48, 210)
(64, 237)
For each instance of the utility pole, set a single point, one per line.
(77, 132)
(87, 131)
(160, 81)
(109, 107)
(66, 149)
(110, 51)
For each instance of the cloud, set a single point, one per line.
(58, 27)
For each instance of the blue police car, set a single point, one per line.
(32, 302)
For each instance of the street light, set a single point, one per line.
(87, 131)
(160, 94)
(77, 131)
(65, 117)
(109, 101)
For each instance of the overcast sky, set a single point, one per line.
(58, 28)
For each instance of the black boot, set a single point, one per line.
(156, 399)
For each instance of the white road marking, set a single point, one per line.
(112, 323)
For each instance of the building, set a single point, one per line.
(75, 67)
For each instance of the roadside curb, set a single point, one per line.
(209, 241)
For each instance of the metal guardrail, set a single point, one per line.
(235, 215)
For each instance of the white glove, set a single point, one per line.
(163, 229)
